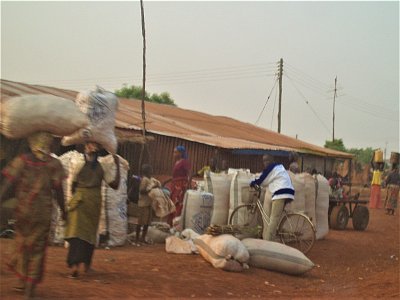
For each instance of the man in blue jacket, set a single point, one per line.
(276, 178)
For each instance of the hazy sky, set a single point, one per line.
(221, 58)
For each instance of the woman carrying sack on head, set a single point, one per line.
(85, 207)
(34, 175)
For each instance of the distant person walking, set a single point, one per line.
(392, 192)
(375, 198)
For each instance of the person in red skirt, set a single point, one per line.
(375, 198)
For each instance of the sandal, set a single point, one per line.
(74, 275)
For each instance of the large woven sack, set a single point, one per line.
(224, 252)
(197, 210)
(299, 202)
(161, 204)
(24, 115)
(114, 211)
(322, 207)
(100, 107)
(310, 185)
(219, 185)
(175, 245)
(157, 236)
(239, 191)
(277, 257)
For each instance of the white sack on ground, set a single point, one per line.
(175, 245)
(197, 210)
(22, 116)
(100, 107)
(224, 252)
(219, 185)
(277, 257)
(114, 207)
(157, 234)
(322, 207)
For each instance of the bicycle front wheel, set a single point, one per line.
(248, 219)
(297, 231)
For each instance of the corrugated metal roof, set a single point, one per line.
(186, 124)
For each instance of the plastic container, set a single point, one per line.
(378, 156)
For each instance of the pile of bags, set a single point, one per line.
(228, 253)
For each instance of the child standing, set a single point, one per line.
(147, 183)
(278, 181)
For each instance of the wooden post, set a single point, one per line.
(333, 117)
(280, 94)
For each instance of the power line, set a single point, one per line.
(266, 102)
(309, 105)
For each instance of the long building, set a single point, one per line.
(204, 135)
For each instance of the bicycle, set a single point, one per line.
(294, 229)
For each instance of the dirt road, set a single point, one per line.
(350, 264)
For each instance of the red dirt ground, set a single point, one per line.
(350, 264)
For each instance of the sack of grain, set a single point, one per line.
(175, 245)
(162, 205)
(197, 210)
(100, 107)
(239, 191)
(24, 115)
(219, 186)
(299, 202)
(224, 252)
(310, 186)
(114, 215)
(322, 207)
(158, 233)
(277, 257)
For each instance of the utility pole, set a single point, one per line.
(280, 94)
(333, 117)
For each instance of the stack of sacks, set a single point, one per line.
(100, 107)
(277, 257)
(197, 210)
(219, 185)
(114, 217)
(22, 116)
(224, 252)
(299, 202)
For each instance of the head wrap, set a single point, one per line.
(182, 150)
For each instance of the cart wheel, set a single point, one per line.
(339, 217)
(360, 218)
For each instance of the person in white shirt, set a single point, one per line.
(276, 178)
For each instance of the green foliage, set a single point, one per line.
(136, 93)
(362, 155)
(336, 144)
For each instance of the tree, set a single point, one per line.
(336, 144)
(362, 155)
(136, 93)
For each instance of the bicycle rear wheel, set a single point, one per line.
(297, 231)
(248, 219)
